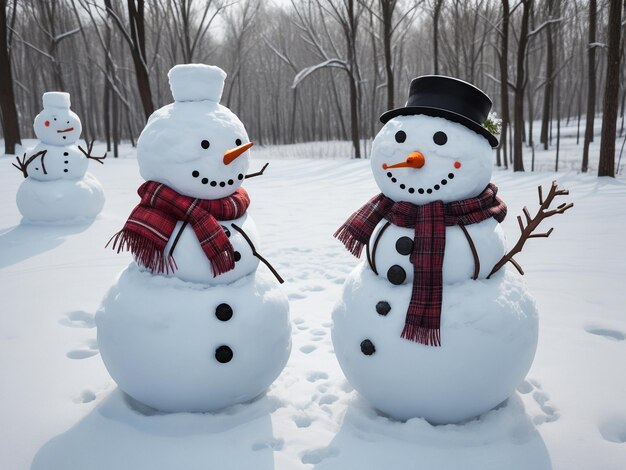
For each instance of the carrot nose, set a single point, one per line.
(414, 160)
(232, 154)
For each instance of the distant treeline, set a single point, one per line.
(319, 69)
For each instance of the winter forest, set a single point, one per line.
(321, 70)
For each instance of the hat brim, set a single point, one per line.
(438, 112)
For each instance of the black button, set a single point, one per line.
(205, 180)
(224, 312)
(404, 245)
(396, 275)
(65, 154)
(367, 347)
(195, 173)
(223, 354)
(237, 256)
(383, 308)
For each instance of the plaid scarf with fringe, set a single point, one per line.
(152, 221)
(429, 223)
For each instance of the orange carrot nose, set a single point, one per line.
(414, 160)
(231, 154)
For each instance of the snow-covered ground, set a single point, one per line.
(59, 408)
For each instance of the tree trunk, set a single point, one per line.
(591, 80)
(606, 167)
(436, 16)
(547, 94)
(520, 84)
(504, 79)
(10, 123)
(387, 7)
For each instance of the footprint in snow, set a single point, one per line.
(87, 396)
(91, 350)
(608, 333)
(315, 456)
(302, 421)
(547, 412)
(614, 429)
(78, 319)
(308, 348)
(315, 376)
(273, 444)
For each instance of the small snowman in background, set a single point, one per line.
(430, 325)
(191, 325)
(57, 187)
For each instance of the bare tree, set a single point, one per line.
(549, 85)
(591, 83)
(606, 166)
(10, 123)
(504, 80)
(136, 40)
(520, 85)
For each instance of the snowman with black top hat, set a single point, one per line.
(429, 325)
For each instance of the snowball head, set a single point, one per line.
(457, 162)
(196, 82)
(178, 346)
(57, 124)
(60, 201)
(184, 145)
(488, 336)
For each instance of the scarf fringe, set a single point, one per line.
(422, 335)
(146, 252)
(222, 262)
(345, 236)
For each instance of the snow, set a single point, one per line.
(61, 409)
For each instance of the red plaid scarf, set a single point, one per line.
(152, 221)
(429, 223)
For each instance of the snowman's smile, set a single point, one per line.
(69, 129)
(214, 183)
(423, 189)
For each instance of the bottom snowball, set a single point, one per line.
(60, 200)
(488, 335)
(179, 346)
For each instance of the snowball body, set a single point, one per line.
(159, 339)
(488, 336)
(60, 200)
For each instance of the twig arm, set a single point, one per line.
(255, 253)
(527, 230)
(258, 173)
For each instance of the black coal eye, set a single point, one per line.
(205, 144)
(440, 138)
(238, 142)
(400, 136)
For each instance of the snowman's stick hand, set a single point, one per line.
(258, 173)
(532, 223)
(87, 153)
(21, 165)
(254, 252)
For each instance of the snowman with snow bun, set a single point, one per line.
(191, 325)
(426, 327)
(57, 187)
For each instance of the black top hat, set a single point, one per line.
(449, 98)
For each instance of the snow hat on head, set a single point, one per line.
(56, 99)
(196, 82)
